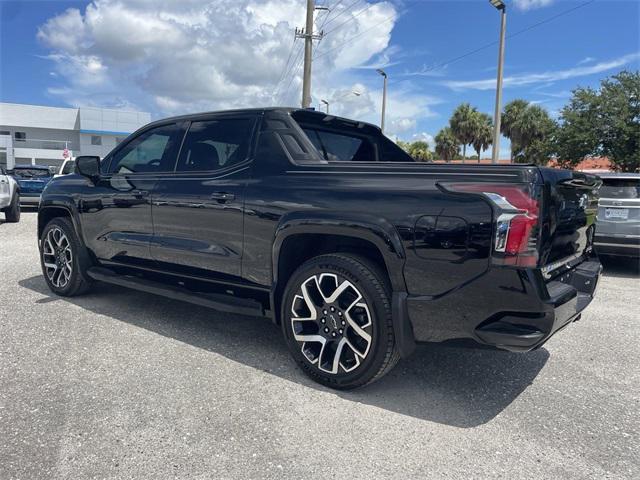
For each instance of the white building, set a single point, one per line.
(33, 134)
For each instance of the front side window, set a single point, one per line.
(215, 144)
(152, 151)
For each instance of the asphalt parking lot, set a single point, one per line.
(120, 384)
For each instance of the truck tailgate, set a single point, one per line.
(570, 207)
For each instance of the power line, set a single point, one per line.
(519, 32)
(295, 66)
(351, 18)
(356, 36)
(343, 11)
(284, 69)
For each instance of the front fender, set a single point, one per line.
(60, 202)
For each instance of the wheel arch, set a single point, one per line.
(300, 237)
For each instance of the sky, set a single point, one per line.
(178, 56)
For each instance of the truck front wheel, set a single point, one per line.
(336, 320)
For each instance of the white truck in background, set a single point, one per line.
(9, 197)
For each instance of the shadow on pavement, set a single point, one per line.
(453, 386)
(621, 267)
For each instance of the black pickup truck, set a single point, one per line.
(327, 227)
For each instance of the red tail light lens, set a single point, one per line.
(516, 225)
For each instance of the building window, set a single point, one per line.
(20, 136)
(119, 140)
(96, 140)
(5, 132)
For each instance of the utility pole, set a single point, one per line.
(309, 37)
(502, 8)
(384, 97)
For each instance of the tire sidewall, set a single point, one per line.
(76, 278)
(379, 309)
(12, 213)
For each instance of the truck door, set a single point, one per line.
(198, 210)
(116, 211)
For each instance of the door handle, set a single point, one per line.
(139, 193)
(222, 196)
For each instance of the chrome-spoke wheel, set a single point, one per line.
(332, 323)
(57, 257)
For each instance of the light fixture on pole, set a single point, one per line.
(500, 5)
(326, 103)
(384, 97)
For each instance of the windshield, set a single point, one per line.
(620, 188)
(31, 173)
(68, 167)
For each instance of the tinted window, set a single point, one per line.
(31, 173)
(215, 144)
(336, 147)
(620, 188)
(68, 167)
(152, 151)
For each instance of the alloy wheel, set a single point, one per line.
(332, 323)
(57, 257)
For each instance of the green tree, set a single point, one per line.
(530, 130)
(483, 133)
(604, 122)
(447, 146)
(420, 151)
(462, 124)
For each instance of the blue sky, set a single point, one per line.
(173, 57)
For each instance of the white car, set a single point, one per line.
(67, 167)
(9, 197)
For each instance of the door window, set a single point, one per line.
(215, 144)
(152, 151)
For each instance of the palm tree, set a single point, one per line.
(420, 151)
(525, 124)
(483, 133)
(447, 145)
(462, 124)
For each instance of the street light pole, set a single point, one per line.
(327, 104)
(384, 97)
(495, 154)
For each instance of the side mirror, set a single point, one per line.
(88, 166)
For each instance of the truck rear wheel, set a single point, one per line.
(64, 259)
(336, 320)
(12, 212)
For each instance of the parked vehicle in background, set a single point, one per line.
(329, 228)
(32, 180)
(618, 224)
(67, 167)
(9, 197)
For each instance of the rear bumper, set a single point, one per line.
(509, 309)
(622, 245)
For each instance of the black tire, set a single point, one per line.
(12, 212)
(319, 275)
(78, 281)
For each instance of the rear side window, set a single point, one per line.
(337, 147)
(152, 151)
(620, 188)
(212, 145)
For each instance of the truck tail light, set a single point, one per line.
(516, 224)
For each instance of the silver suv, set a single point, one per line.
(618, 223)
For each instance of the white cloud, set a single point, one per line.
(531, 4)
(586, 60)
(538, 78)
(179, 56)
